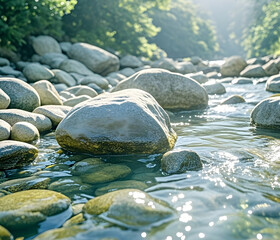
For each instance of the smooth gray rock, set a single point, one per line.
(96, 79)
(4, 62)
(14, 154)
(60, 87)
(266, 114)
(7, 70)
(65, 46)
(47, 93)
(185, 67)
(165, 63)
(255, 71)
(73, 66)
(71, 102)
(21, 94)
(64, 77)
(5, 130)
(82, 90)
(129, 121)
(95, 58)
(4, 100)
(233, 100)
(273, 84)
(179, 161)
(45, 44)
(117, 75)
(96, 88)
(13, 116)
(270, 68)
(214, 88)
(53, 59)
(199, 77)
(242, 80)
(112, 81)
(130, 61)
(171, 90)
(64, 95)
(20, 65)
(127, 72)
(24, 132)
(233, 66)
(55, 113)
(35, 72)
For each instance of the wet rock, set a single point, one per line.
(214, 88)
(27, 208)
(270, 68)
(35, 72)
(13, 116)
(117, 185)
(233, 100)
(242, 80)
(21, 94)
(233, 66)
(255, 71)
(73, 66)
(5, 130)
(95, 58)
(47, 92)
(130, 61)
(14, 154)
(27, 183)
(179, 161)
(171, 90)
(64, 77)
(24, 132)
(45, 44)
(5, 234)
(75, 220)
(54, 112)
(135, 123)
(53, 59)
(199, 77)
(266, 114)
(4, 62)
(273, 84)
(71, 102)
(123, 208)
(4, 100)
(97, 79)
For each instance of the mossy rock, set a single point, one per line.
(27, 208)
(129, 207)
(74, 220)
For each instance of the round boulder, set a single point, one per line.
(254, 71)
(214, 88)
(45, 44)
(21, 94)
(273, 84)
(4, 100)
(24, 132)
(5, 130)
(233, 66)
(35, 72)
(125, 122)
(179, 161)
(171, 90)
(266, 114)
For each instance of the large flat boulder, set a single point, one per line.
(126, 122)
(171, 90)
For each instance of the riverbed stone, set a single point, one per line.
(27, 208)
(47, 92)
(96, 59)
(179, 161)
(185, 67)
(213, 87)
(45, 44)
(117, 185)
(130, 61)
(235, 99)
(14, 154)
(72, 102)
(273, 84)
(135, 123)
(165, 63)
(26, 183)
(54, 112)
(4, 100)
(5, 130)
(5, 234)
(266, 113)
(35, 72)
(117, 75)
(270, 68)
(254, 71)
(171, 90)
(73, 66)
(233, 66)
(13, 116)
(4, 62)
(199, 77)
(60, 87)
(97, 79)
(64, 77)
(7, 70)
(53, 59)
(242, 80)
(127, 71)
(119, 206)
(21, 94)
(24, 132)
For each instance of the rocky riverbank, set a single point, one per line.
(84, 95)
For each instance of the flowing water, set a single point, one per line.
(235, 196)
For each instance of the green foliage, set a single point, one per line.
(264, 36)
(123, 25)
(22, 18)
(183, 33)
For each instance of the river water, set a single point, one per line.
(235, 196)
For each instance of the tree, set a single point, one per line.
(263, 37)
(122, 25)
(183, 33)
(22, 18)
